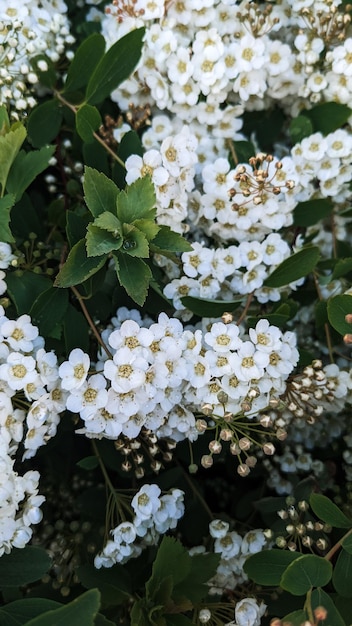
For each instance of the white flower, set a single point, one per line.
(148, 165)
(146, 502)
(218, 528)
(74, 371)
(126, 371)
(6, 255)
(20, 333)
(228, 545)
(266, 338)
(250, 53)
(250, 363)
(18, 371)
(90, 396)
(223, 337)
(248, 612)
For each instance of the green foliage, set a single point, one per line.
(134, 275)
(44, 123)
(321, 598)
(23, 566)
(26, 168)
(18, 613)
(25, 287)
(210, 308)
(327, 511)
(267, 567)
(300, 127)
(114, 584)
(78, 267)
(83, 64)
(10, 145)
(100, 193)
(312, 211)
(82, 610)
(306, 572)
(88, 120)
(296, 266)
(6, 204)
(342, 574)
(338, 308)
(49, 309)
(328, 116)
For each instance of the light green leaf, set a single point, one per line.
(204, 307)
(78, 266)
(267, 567)
(137, 201)
(135, 242)
(168, 240)
(26, 168)
(10, 145)
(23, 566)
(108, 221)
(88, 120)
(18, 613)
(312, 211)
(99, 242)
(328, 512)
(83, 64)
(44, 123)
(25, 287)
(148, 228)
(293, 268)
(100, 192)
(306, 572)
(116, 65)
(4, 120)
(342, 575)
(6, 204)
(338, 308)
(82, 610)
(49, 309)
(134, 275)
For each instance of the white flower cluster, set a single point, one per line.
(155, 514)
(6, 258)
(248, 613)
(29, 29)
(159, 376)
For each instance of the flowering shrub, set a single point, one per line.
(175, 312)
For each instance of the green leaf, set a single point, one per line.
(267, 567)
(101, 620)
(193, 587)
(135, 242)
(167, 240)
(88, 120)
(26, 168)
(342, 267)
(178, 620)
(321, 598)
(49, 309)
(78, 266)
(108, 221)
(18, 613)
(342, 575)
(312, 211)
(82, 610)
(328, 512)
(25, 287)
(48, 77)
(114, 584)
(328, 116)
(23, 566)
(76, 227)
(44, 123)
(134, 275)
(293, 268)
(300, 127)
(88, 463)
(10, 145)
(99, 242)
(204, 307)
(173, 560)
(100, 192)
(338, 308)
(347, 543)
(4, 120)
(76, 330)
(306, 572)
(6, 204)
(116, 65)
(83, 64)
(297, 618)
(137, 201)
(344, 608)
(244, 150)
(148, 228)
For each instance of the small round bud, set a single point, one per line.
(215, 446)
(243, 470)
(206, 461)
(251, 461)
(235, 449)
(204, 616)
(193, 468)
(201, 426)
(227, 318)
(320, 613)
(269, 449)
(222, 397)
(207, 409)
(226, 434)
(244, 443)
(281, 542)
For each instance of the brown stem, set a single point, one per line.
(233, 151)
(246, 307)
(90, 321)
(326, 325)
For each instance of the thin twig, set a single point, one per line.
(90, 321)
(246, 307)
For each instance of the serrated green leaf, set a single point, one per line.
(168, 240)
(49, 309)
(136, 201)
(10, 145)
(293, 268)
(25, 287)
(44, 123)
(321, 598)
(328, 116)
(100, 192)
(148, 228)
(88, 120)
(205, 307)
(99, 242)
(267, 567)
(135, 242)
(134, 275)
(328, 512)
(26, 168)
(116, 65)
(6, 204)
(173, 560)
(78, 266)
(108, 221)
(23, 566)
(300, 127)
(342, 267)
(83, 64)
(82, 610)
(114, 584)
(311, 212)
(338, 308)
(342, 575)
(306, 572)
(18, 613)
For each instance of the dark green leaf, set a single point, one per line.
(10, 145)
(46, 77)
(114, 583)
(82, 610)
(293, 268)
(297, 618)
(173, 560)
(6, 204)
(167, 239)
(306, 572)
(312, 211)
(347, 544)
(204, 307)
(342, 267)
(101, 620)
(25, 287)
(328, 512)
(321, 598)
(321, 313)
(108, 221)
(344, 607)
(267, 567)
(26, 168)
(49, 309)
(44, 123)
(244, 150)
(76, 330)
(116, 65)
(76, 227)
(78, 266)
(134, 275)
(193, 587)
(135, 242)
(137, 201)
(342, 576)
(88, 120)
(99, 242)
(300, 127)
(83, 64)
(18, 613)
(23, 566)
(88, 463)
(100, 192)
(338, 308)
(328, 116)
